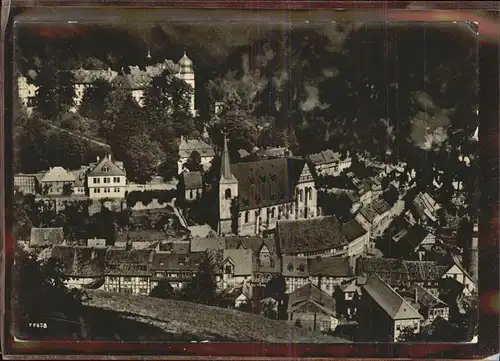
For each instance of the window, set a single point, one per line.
(97, 180)
(190, 193)
(116, 179)
(228, 193)
(97, 190)
(127, 279)
(310, 194)
(108, 190)
(105, 169)
(247, 215)
(272, 262)
(398, 328)
(106, 180)
(228, 269)
(105, 190)
(117, 190)
(301, 195)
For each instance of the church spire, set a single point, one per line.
(225, 170)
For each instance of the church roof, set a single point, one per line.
(268, 182)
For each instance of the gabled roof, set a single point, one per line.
(427, 299)
(267, 182)
(324, 157)
(352, 230)
(46, 236)
(80, 261)
(329, 267)
(311, 294)
(180, 247)
(309, 235)
(253, 243)
(134, 262)
(192, 180)
(242, 260)
(100, 169)
(203, 244)
(293, 266)
(368, 213)
(177, 262)
(58, 174)
(408, 240)
(188, 146)
(389, 300)
(380, 206)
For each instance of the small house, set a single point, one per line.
(311, 308)
(237, 266)
(191, 185)
(57, 181)
(328, 272)
(295, 270)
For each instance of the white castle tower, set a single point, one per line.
(186, 73)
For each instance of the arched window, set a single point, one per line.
(247, 215)
(301, 195)
(228, 269)
(310, 194)
(228, 193)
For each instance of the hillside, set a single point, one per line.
(189, 321)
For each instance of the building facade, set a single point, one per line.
(107, 180)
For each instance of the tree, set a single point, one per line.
(163, 290)
(32, 145)
(94, 98)
(55, 92)
(202, 287)
(67, 189)
(142, 158)
(408, 334)
(40, 290)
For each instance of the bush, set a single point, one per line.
(146, 197)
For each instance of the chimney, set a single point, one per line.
(98, 159)
(109, 156)
(182, 139)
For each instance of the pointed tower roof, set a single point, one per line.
(186, 65)
(225, 169)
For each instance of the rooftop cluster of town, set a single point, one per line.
(387, 261)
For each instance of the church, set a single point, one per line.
(254, 196)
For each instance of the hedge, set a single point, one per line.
(146, 197)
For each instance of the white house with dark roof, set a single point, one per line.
(54, 181)
(295, 270)
(384, 313)
(358, 238)
(107, 180)
(265, 191)
(330, 163)
(194, 148)
(191, 185)
(458, 272)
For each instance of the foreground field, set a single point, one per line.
(186, 321)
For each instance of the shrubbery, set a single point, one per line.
(146, 197)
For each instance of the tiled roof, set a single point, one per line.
(46, 236)
(99, 170)
(58, 174)
(177, 262)
(309, 235)
(389, 300)
(124, 262)
(80, 261)
(380, 206)
(192, 180)
(180, 247)
(242, 260)
(352, 230)
(329, 267)
(203, 244)
(400, 272)
(267, 182)
(310, 294)
(188, 146)
(201, 231)
(368, 213)
(253, 243)
(293, 266)
(273, 152)
(409, 239)
(324, 157)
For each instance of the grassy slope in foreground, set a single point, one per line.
(202, 322)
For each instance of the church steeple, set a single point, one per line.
(225, 169)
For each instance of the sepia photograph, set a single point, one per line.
(271, 182)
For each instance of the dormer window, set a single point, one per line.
(228, 269)
(105, 169)
(290, 267)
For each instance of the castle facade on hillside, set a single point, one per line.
(136, 82)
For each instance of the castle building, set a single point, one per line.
(254, 196)
(136, 82)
